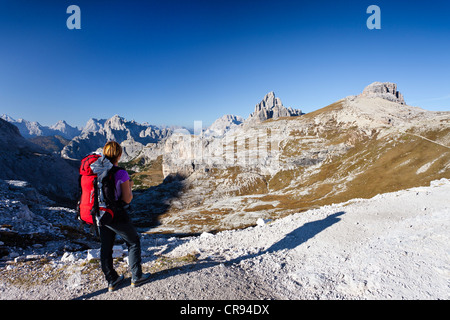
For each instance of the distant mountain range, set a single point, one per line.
(131, 135)
(74, 143)
(30, 129)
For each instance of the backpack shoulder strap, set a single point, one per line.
(115, 169)
(109, 183)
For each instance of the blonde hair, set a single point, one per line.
(112, 151)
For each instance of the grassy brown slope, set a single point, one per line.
(148, 176)
(377, 166)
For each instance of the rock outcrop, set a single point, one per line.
(385, 90)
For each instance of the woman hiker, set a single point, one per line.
(120, 225)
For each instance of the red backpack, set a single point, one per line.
(89, 209)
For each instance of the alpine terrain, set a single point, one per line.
(347, 202)
(274, 165)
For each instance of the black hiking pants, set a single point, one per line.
(125, 229)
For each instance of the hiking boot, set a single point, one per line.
(143, 279)
(113, 284)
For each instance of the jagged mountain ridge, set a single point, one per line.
(131, 135)
(30, 129)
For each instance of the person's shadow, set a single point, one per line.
(304, 233)
(290, 241)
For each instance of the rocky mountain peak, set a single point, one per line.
(66, 130)
(116, 122)
(93, 125)
(223, 125)
(7, 118)
(60, 123)
(271, 107)
(269, 102)
(384, 90)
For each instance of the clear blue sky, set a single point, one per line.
(173, 62)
